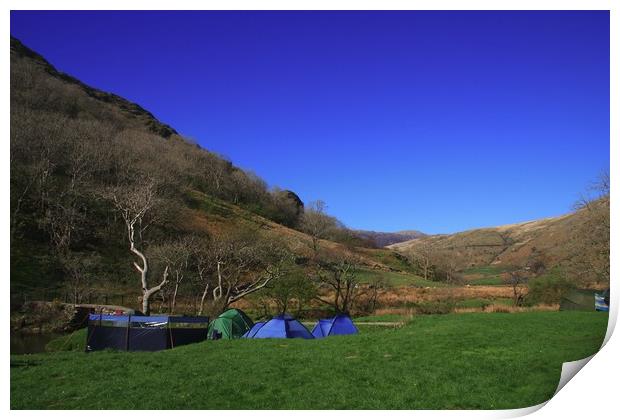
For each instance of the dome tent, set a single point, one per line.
(254, 329)
(232, 323)
(281, 326)
(341, 324)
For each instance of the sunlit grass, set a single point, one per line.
(478, 360)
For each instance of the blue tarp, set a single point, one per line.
(339, 325)
(599, 302)
(281, 326)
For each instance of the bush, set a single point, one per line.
(548, 288)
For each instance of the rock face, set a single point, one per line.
(295, 199)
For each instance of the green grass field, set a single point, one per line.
(481, 360)
(486, 281)
(481, 303)
(489, 270)
(383, 318)
(397, 279)
(488, 276)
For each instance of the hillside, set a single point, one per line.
(553, 240)
(75, 150)
(35, 69)
(74, 147)
(382, 239)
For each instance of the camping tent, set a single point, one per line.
(232, 323)
(253, 330)
(578, 300)
(281, 326)
(143, 333)
(341, 324)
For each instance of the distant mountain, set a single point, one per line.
(552, 240)
(382, 239)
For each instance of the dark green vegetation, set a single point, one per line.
(485, 361)
(549, 288)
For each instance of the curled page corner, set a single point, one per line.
(569, 370)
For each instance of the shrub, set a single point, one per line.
(434, 307)
(548, 288)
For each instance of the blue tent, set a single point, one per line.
(250, 334)
(281, 326)
(339, 325)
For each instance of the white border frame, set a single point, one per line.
(592, 394)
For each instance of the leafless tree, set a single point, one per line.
(202, 264)
(421, 255)
(517, 279)
(368, 298)
(339, 277)
(316, 223)
(239, 264)
(81, 269)
(136, 203)
(445, 267)
(591, 261)
(176, 256)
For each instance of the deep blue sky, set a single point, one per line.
(438, 121)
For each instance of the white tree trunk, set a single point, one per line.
(146, 298)
(202, 299)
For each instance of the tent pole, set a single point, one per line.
(127, 333)
(170, 333)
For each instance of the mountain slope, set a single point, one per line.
(552, 240)
(103, 102)
(71, 143)
(382, 239)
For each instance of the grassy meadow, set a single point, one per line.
(455, 361)
(484, 276)
(396, 279)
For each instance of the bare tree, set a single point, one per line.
(366, 301)
(591, 261)
(202, 263)
(340, 278)
(239, 264)
(136, 203)
(81, 269)
(421, 255)
(62, 175)
(316, 223)
(445, 267)
(175, 255)
(517, 279)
